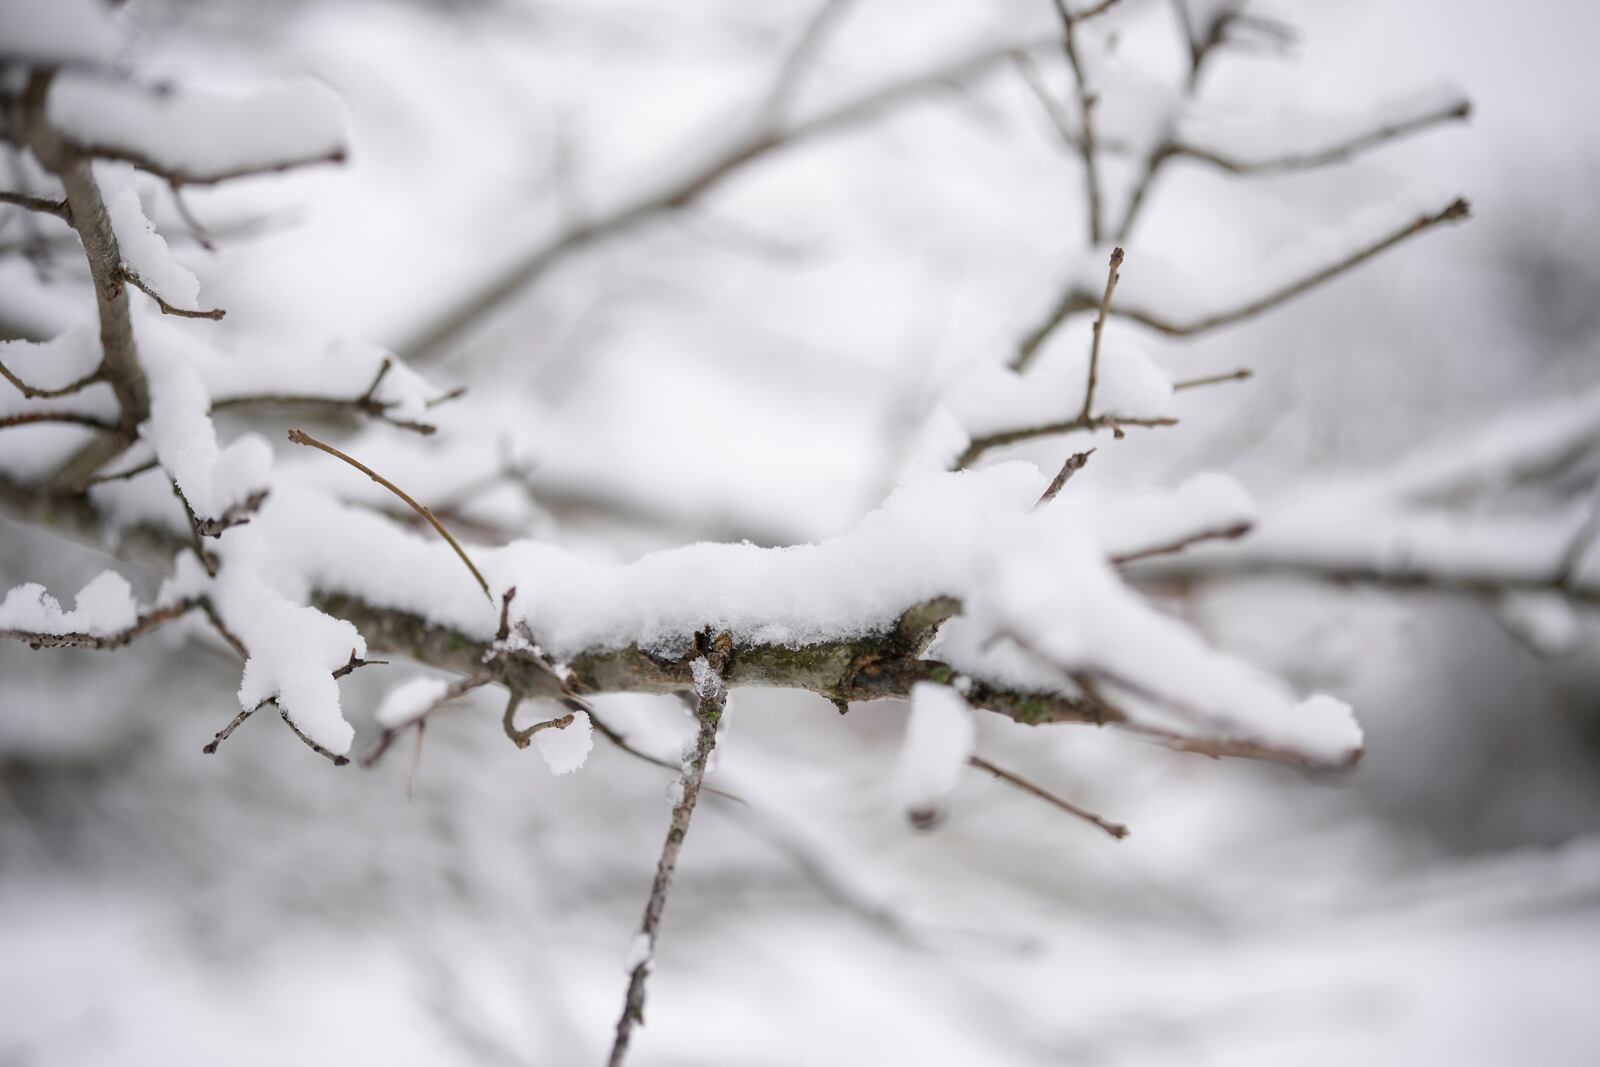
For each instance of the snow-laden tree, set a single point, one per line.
(977, 586)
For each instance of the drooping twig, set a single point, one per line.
(711, 697)
(1011, 778)
(1112, 276)
(300, 437)
(200, 233)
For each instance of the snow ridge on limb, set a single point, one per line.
(188, 135)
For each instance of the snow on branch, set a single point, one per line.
(191, 136)
(1419, 523)
(104, 615)
(56, 34)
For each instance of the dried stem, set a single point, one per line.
(1241, 375)
(1011, 778)
(300, 437)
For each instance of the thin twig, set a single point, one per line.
(1011, 778)
(73, 418)
(1112, 277)
(1326, 156)
(454, 691)
(201, 234)
(300, 437)
(1077, 300)
(1455, 211)
(140, 284)
(117, 476)
(798, 61)
(711, 699)
(1073, 465)
(1087, 99)
(1114, 423)
(1240, 375)
(684, 191)
(43, 205)
(33, 392)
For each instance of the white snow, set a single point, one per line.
(144, 251)
(940, 733)
(294, 651)
(50, 32)
(103, 607)
(196, 134)
(212, 478)
(641, 950)
(55, 363)
(565, 749)
(405, 703)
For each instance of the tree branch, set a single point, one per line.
(711, 697)
(448, 327)
(1336, 153)
(43, 205)
(1077, 300)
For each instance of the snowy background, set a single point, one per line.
(751, 368)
